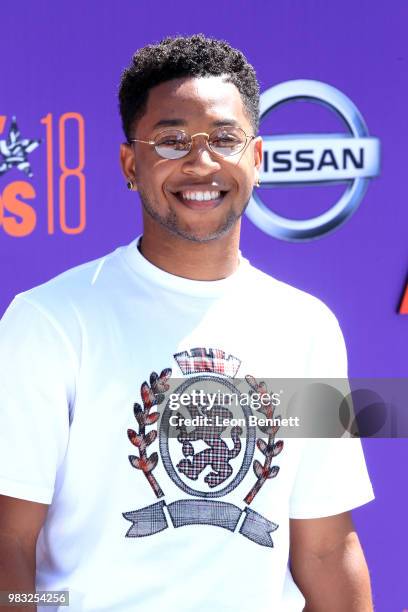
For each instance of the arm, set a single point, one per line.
(20, 524)
(328, 565)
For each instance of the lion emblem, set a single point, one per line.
(217, 455)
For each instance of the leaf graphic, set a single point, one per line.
(136, 439)
(258, 469)
(153, 378)
(151, 462)
(159, 385)
(135, 461)
(147, 396)
(262, 445)
(262, 388)
(151, 418)
(273, 471)
(164, 376)
(137, 409)
(277, 448)
(150, 437)
(251, 382)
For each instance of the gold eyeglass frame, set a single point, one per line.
(154, 144)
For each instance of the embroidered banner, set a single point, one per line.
(152, 519)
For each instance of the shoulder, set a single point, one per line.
(62, 306)
(300, 323)
(74, 287)
(282, 299)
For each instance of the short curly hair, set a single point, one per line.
(184, 56)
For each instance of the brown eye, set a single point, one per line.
(227, 141)
(172, 145)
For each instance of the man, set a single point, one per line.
(96, 496)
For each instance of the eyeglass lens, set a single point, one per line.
(224, 141)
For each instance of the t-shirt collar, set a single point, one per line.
(179, 284)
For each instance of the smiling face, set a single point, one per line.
(201, 196)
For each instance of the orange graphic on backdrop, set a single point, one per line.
(403, 309)
(23, 218)
(66, 199)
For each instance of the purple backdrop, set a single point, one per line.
(60, 58)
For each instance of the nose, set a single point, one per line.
(200, 160)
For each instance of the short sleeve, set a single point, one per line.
(37, 387)
(332, 476)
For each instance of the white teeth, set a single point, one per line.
(200, 196)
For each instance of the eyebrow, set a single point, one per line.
(176, 122)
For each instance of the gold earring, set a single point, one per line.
(257, 182)
(131, 185)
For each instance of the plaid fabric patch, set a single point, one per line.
(202, 512)
(207, 360)
(258, 528)
(146, 521)
(217, 455)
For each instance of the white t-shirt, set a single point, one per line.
(127, 529)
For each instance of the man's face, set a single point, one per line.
(170, 189)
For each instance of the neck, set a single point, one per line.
(207, 261)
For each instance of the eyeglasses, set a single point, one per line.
(175, 144)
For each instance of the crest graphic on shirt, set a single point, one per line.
(210, 456)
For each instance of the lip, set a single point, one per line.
(199, 187)
(200, 204)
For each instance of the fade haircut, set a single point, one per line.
(185, 56)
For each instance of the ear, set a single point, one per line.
(258, 152)
(257, 158)
(127, 161)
